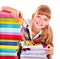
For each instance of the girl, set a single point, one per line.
(38, 28)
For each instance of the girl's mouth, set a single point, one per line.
(37, 25)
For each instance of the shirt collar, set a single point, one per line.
(29, 28)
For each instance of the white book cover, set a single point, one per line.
(34, 52)
(34, 58)
(41, 55)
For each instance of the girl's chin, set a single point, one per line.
(38, 27)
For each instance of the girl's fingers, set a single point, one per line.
(16, 15)
(50, 50)
(20, 14)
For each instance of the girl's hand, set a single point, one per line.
(50, 50)
(14, 13)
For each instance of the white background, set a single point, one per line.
(29, 6)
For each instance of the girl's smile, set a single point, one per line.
(40, 21)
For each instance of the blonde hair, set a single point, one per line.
(47, 33)
(44, 9)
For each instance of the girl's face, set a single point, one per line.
(40, 21)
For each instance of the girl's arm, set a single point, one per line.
(8, 9)
(14, 12)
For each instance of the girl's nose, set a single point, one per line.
(40, 20)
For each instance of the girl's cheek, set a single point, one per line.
(44, 23)
(37, 20)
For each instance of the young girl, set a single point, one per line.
(38, 29)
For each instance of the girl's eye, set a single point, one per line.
(38, 16)
(45, 19)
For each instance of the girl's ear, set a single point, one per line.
(33, 15)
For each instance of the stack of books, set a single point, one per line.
(9, 35)
(33, 52)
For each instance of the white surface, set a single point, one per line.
(29, 6)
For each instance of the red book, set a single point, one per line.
(10, 37)
(8, 57)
